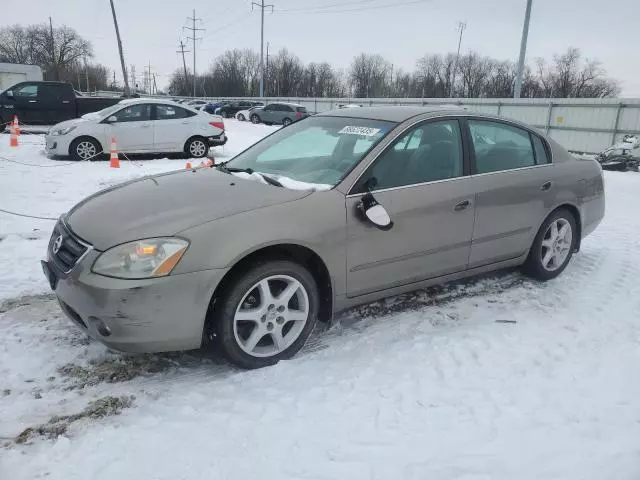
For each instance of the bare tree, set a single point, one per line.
(368, 75)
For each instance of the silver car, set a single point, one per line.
(279, 113)
(339, 209)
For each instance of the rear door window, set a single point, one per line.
(542, 153)
(171, 112)
(500, 146)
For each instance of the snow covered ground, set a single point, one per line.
(495, 378)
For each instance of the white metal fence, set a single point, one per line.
(583, 125)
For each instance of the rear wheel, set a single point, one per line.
(553, 246)
(267, 314)
(255, 118)
(197, 147)
(286, 122)
(85, 148)
(241, 117)
(224, 114)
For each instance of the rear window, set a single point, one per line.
(301, 109)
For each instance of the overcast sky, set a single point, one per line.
(151, 30)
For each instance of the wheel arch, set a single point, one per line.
(300, 254)
(575, 211)
(193, 137)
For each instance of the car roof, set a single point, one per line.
(286, 103)
(392, 113)
(158, 101)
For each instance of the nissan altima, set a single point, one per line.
(339, 209)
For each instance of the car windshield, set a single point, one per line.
(317, 150)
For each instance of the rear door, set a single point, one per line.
(57, 102)
(132, 128)
(513, 183)
(172, 126)
(421, 180)
(286, 111)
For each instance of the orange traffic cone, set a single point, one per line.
(206, 163)
(188, 166)
(114, 161)
(16, 125)
(13, 138)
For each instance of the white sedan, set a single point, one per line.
(139, 125)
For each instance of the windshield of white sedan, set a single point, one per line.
(317, 150)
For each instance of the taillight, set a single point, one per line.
(298, 115)
(219, 125)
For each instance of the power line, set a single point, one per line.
(194, 32)
(261, 6)
(361, 9)
(318, 7)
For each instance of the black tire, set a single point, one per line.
(197, 147)
(268, 123)
(223, 320)
(241, 117)
(76, 148)
(224, 114)
(286, 122)
(533, 266)
(255, 118)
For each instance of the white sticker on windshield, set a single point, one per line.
(366, 131)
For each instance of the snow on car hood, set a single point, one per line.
(67, 123)
(166, 204)
(286, 182)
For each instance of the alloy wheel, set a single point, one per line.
(197, 148)
(556, 244)
(86, 150)
(271, 316)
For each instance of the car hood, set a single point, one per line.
(165, 204)
(69, 123)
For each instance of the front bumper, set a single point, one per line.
(153, 315)
(57, 145)
(218, 140)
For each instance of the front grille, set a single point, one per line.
(71, 249)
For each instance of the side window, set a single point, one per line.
(499, 146)
(542, 154)
(270, 107)
(28, 90)
(134, 113)
(56, 92)
(286, 108)
(427, 153)
(170, 112)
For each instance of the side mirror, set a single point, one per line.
(112, 119)
(9, 93)
(375, 213)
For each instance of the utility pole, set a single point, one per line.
(523, 51)
(261, 6)
(155, 85)
(148, 76)
(133, 78)
(114, 79)
(194, 31)
(54, 60)
(266, 74)
(86, 72)
(124, 69)
(184, 63)
(461, 26)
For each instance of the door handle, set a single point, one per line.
(33, 101)
(66, 101)
(145, 126)
(461, 206)
(546, 186)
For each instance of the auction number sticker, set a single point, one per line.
(366, 131)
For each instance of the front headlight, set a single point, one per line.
(63, 131)
(154, 257)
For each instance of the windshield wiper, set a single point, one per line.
(250, 171)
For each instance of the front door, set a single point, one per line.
(513, 189)
(24, 103)
(172, 126)
(267, 115)
(420, 179)
(131, 127)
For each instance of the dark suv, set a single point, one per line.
(280, 113)
(228, 110)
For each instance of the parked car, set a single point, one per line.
(280, 113)
(211, 107)
(197, 104)
(139, 126)
(229, 110)
(243, 115)
(47, 103)
(345, 208)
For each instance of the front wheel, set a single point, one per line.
(224, 114)
(267, 314)
(553, 246)
(255, 118)
(85, 148)
(241, 117)
(197, 147)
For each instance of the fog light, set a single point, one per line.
(102, 328)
